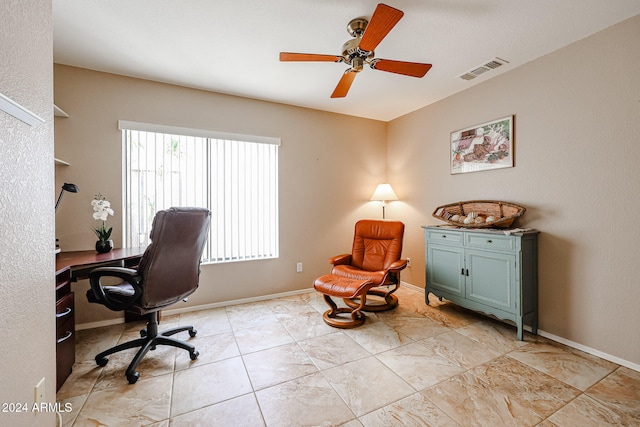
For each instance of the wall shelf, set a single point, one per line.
(58, 112)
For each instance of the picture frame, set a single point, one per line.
(482, 147)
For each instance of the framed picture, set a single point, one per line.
(483, 147)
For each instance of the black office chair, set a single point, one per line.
(168, 272)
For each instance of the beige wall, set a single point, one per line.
(577, 154)
(329, 167)
(27, 296)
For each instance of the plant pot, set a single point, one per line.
(104, 246)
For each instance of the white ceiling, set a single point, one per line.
(232, 46)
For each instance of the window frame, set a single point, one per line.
(215, 138)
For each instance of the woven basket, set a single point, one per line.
(503, 212)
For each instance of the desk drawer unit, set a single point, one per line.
(70, 267)
(65, 338)
(65, 327)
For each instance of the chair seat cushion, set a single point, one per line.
(121, 292)
(348, 271)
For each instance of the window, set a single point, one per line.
(234, 176)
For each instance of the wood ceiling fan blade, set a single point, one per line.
(344, 84)
(383, 20)
(413, 69)
(291, 56)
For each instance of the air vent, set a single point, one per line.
(490, 65)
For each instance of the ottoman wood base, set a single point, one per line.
(331, 285)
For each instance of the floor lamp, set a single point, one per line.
(384, 193)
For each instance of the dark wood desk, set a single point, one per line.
(79, 261)
(71, 267)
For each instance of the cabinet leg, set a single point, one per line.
(520, 332)
(426, 296)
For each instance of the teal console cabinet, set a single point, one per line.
(485, 270)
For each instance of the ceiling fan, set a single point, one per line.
(360, 50)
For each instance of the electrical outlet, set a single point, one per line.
(299, 267)
(38, 397)
(408, 262)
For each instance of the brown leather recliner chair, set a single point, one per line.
(375, 256)
(168, 272)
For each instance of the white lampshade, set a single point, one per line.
(384, 192)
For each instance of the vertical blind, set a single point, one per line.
(234, 176)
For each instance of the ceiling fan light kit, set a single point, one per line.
(360, 50)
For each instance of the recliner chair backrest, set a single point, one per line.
(376, 244)
(170, 267)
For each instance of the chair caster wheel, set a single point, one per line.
(193, 333)
(143, 333)
(194, 355)
(133, 377)
(102, 361)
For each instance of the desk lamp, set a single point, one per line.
(71, 188)
(384, 193)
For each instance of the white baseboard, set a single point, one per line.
(414, 287)
(577, 346)
(117, 321)
(569, 343)
(592, 351)
(236, 302)
(100, 324)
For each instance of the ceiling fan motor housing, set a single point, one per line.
(354, 55)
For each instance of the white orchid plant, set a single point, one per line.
(101, 210)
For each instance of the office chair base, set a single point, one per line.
(150, 339)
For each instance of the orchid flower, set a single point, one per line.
(101, 210)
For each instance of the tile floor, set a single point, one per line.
(275, 363)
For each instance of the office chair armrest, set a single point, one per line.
(344, 259)
(397, 266)
(129, 275)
